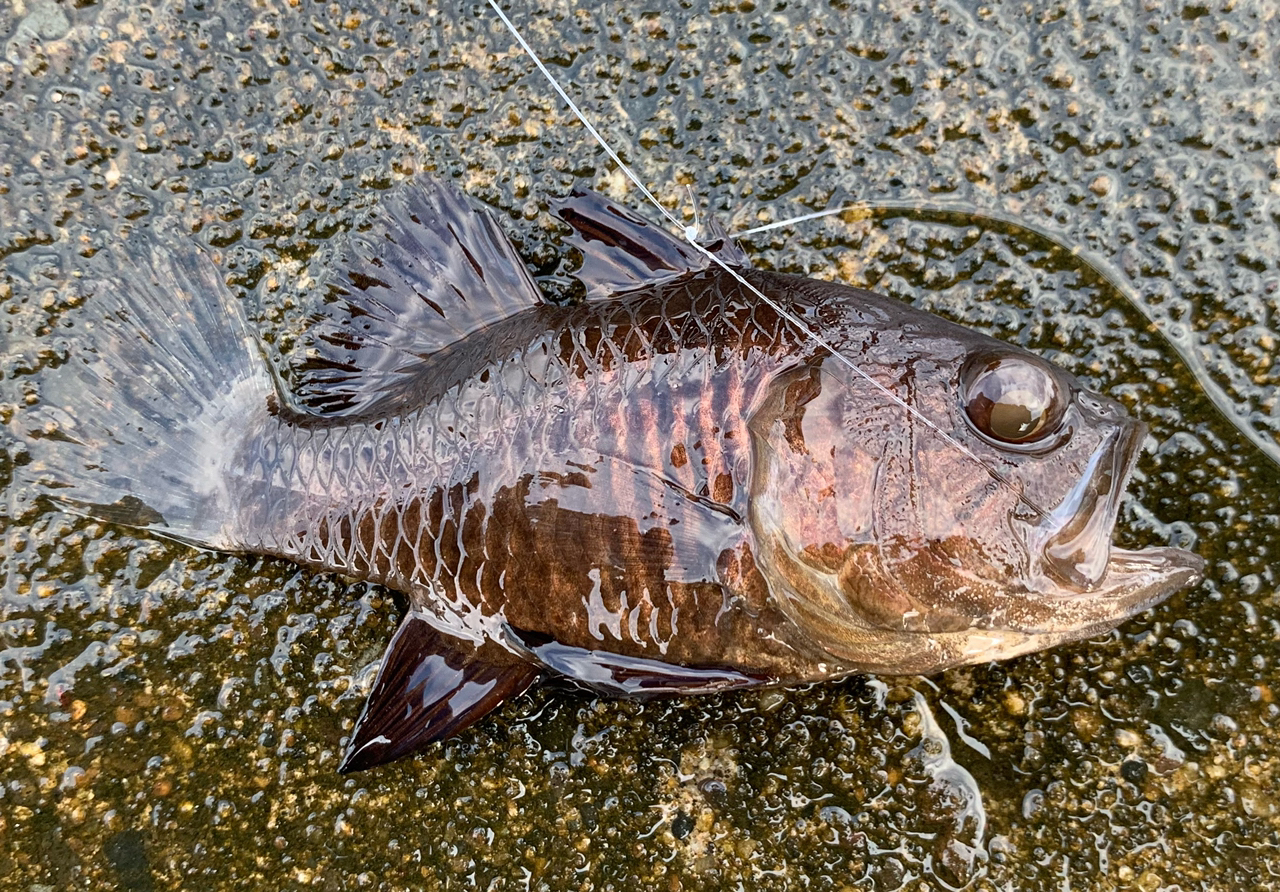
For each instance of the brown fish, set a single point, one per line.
(670, 488)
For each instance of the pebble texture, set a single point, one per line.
(1097, 181)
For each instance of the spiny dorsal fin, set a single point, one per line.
(622, 251)
(431, 686)
(425, 270)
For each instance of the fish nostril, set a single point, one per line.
(1100, 407)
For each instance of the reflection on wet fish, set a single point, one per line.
(667, 489)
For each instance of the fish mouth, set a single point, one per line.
(1092, 584)
(1076, 548)
(1135, 581)
(1138, 579)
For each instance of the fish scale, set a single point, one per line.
(625, 405)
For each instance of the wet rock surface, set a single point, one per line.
(173, 720)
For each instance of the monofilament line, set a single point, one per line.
(577, 112)
(778, 308)
(886, 392)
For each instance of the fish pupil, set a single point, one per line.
(1015, 420)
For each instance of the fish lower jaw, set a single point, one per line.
(1145, 577)
(1137, 579)
(1135, 582)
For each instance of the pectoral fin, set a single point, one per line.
(431, 686)
(625, 676)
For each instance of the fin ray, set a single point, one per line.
(133, 427)
(622, 251)
(618, 675)
(425, 270)
(431, 686)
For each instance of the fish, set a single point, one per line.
(668, 487)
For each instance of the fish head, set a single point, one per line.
(950, 501)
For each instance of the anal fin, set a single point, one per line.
(431, 686)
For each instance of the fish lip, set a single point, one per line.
(1076, 549)
(1088, 584)
(1144, 577)
(1137, 580)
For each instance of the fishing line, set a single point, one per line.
(1105, 270)
(573, 107)
(687, 232)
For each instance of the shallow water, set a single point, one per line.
(173, 719)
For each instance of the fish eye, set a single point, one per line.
(1011, 398)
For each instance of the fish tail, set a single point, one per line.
(162, 378)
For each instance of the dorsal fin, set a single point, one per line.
(622, 251)
(431, 686)
(423, 271)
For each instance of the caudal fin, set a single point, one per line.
(162, 377)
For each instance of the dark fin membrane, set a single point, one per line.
(424, 271)
(622, 251)
(621, 676)
(430, 687)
